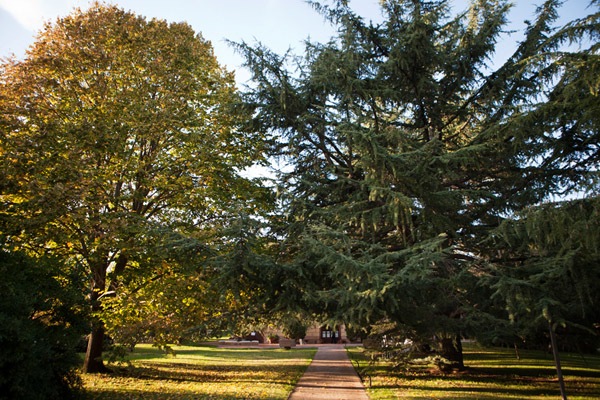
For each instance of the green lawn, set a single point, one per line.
(202, 373)
(491, 374)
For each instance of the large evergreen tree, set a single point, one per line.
(405, 148)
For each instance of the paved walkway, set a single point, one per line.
(330, 376)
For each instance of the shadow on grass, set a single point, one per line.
(485, 393)
(182, 372)
(201, 372)
(107, 394)
(536, 372)
(477, 384)
(242, 354)
(492, 374)
(187, 381)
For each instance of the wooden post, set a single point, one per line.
(561, 381)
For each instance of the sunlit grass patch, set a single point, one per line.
(203, 373)
(491, 374)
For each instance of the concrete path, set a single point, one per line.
(330, 376)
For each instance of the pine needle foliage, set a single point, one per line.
(547, 270)
(406, 148)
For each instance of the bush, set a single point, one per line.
(294, 329)
(40, 325)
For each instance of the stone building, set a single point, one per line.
(316, 334)
(326, 334)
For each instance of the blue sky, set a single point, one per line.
(279, 24)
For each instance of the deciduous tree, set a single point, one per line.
(119, 145)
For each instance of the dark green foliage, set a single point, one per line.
(294, 328)
(547, 268)
(407, 149)
(40, 326)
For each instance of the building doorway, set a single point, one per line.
(329, 334)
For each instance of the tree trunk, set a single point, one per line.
(561, 381)
(453, 352)
(93, 357)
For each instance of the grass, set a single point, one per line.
(491, 374)
(202, 373)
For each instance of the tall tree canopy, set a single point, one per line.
(406, 148)
(120, 150)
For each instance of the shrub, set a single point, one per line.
(294, 329)
(40, 325)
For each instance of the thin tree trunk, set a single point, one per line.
(561, 381)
